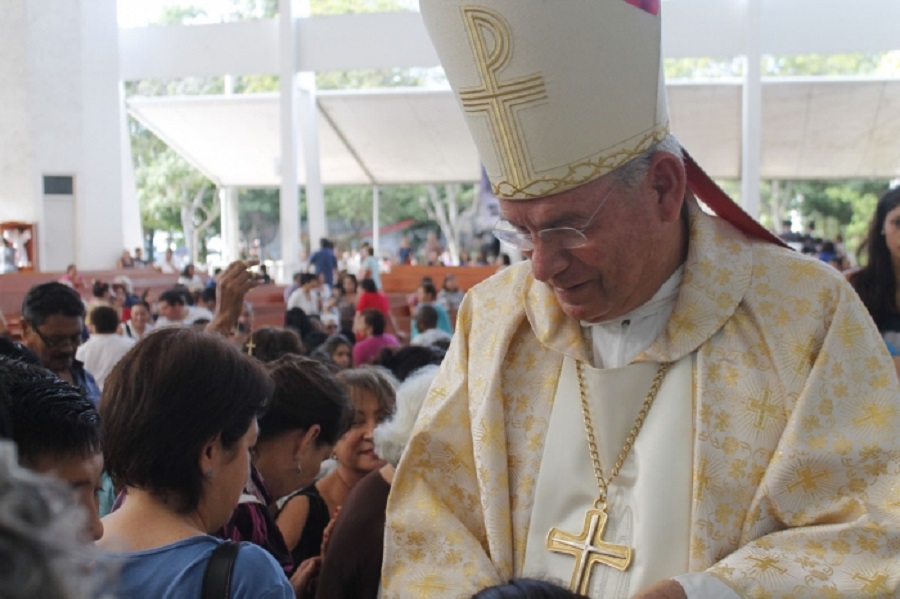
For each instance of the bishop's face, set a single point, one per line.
(617, 269)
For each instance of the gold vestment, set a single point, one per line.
(796, 489)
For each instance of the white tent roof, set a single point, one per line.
(812, 128)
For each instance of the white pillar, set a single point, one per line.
(309, 135)
(289, 205)
(751, 121)
(132, 228)
(231, 250)
(376, 221)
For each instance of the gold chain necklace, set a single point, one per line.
(589, 548)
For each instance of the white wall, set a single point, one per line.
(16, 151)
(60, 115)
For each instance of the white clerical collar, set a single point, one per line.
(618, 341)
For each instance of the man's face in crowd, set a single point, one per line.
(54, 341)
(172, 311)
(83, 474)
(607, 277)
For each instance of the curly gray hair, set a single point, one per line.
(42, 542)
(392, 435)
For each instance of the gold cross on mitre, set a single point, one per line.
(589, 549)
(491, 43)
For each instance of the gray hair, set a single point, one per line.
(392, 435)
(42, 542)
(633, 172)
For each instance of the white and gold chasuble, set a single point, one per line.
(649, 501)
(795, 451)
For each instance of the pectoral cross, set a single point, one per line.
(499, 99)
(250, 345)
(589, 549)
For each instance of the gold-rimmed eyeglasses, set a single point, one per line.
(564, 238)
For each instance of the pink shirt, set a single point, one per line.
(366, 350)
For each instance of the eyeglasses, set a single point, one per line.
(54, 342)
(564, 238)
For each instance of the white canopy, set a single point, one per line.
(812, 128)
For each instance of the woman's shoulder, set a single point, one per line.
(257, 574)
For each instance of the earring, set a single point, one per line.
(208, 473)
(299, 468)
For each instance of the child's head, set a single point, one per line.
(527, 588)
(56, 431)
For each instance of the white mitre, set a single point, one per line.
(555, 93)
(558, 93)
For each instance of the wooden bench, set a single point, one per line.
(14, 287)
(406, 279)
(268, 301)
(268, 306)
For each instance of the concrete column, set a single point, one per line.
(751, 122)
(309, 135)
(132, 228)
(376, 221)
(99, 200)
(289, 204)
(231, 233)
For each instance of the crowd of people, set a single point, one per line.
(658, 403)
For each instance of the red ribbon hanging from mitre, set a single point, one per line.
(706, 190)
(651, 6)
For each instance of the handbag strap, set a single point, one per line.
(219, 568)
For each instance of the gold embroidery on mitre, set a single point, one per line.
(583, 171)
(500, 100)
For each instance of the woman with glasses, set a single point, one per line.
(53, 328)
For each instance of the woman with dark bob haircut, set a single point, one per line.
(179, 420)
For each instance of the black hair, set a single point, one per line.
(105, 320)
(48, 299)
(375, 319)
(369, 285)
(875, 282)
(429, 289)
(296, 319)
(527, 588)
(270, 343)
(208, 295)
(99, 289)
(403, 361)
(314, 339)
(307, 277)
(426, 318)
(173, 297)
(191, 388)
(306, 393)
(46, 415)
